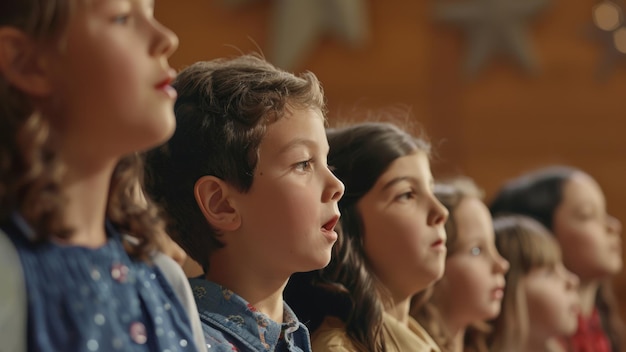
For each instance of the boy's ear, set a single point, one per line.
(23, 63)
(213, 196)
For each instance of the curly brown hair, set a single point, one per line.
(223, 109)
(31, 171)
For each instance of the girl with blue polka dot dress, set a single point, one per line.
(84, 87)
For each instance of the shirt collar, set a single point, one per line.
(231, 313)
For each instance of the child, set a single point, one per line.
(84, 85)
(391, 244)
(572, 206)
(245, 184)
(471, 289)
(540, 300)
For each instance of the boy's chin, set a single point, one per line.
(317, 263)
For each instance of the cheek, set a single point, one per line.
(455, 275)
(545, 304)
(466, 278)
(407, 237)
(576, 240)
(287, 200)
(391, 238)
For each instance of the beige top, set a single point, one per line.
(331, 336)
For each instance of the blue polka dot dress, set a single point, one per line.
(82, 299)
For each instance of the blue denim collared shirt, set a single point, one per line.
(232, 324)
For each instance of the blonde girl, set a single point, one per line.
(540, 303)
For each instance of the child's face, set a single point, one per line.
(552, 300)
(289, 213)
(589, 237)
(110, 79)
(404, 237)
(473, 283)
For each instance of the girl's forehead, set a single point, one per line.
(581, 190)
(471, 211)
(413, 167)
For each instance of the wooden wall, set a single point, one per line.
(492, 127)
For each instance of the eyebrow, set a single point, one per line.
(411, 179)
(99, 3)
(399, 179)
(296, 142)
(150, 3)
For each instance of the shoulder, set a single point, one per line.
(173, 273)
(175, 276)
(331, 336)
(13, 297)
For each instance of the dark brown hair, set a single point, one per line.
(223, 109)
(347, 287)
(31, 172)
(538, 194)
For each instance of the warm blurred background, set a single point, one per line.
(490, 124)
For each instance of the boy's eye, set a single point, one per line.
(476, 251)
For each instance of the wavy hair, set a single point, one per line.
(31, 171)
(223, 109)
(347, 287)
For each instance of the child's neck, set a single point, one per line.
(86, 188)
(261, 290)
(455, 327)
(540, 347)
(587, 292)
(399, 309)
(539, 342)
(458, 339)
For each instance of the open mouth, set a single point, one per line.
(330, 225)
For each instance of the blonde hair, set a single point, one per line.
(527, 245)
(450, 193)
(31, 172)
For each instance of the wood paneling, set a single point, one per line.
(492, 127)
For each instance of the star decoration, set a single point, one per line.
(298, 24)
(610, 29)
(494, 26)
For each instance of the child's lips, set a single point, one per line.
(165, 84)
(328, 229)
(439, 244)
(497, 293)
(330, 224)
